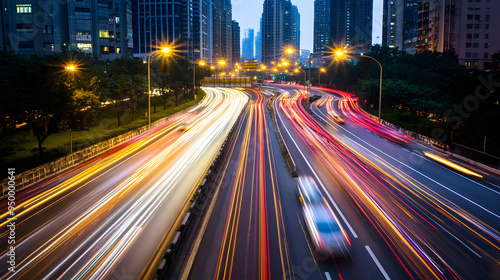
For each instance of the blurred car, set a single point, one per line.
(308, 192)
(184, 127)
(323, 227)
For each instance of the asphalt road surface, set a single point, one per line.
(111, 217)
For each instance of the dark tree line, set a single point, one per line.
(427, 84)
(38, 91)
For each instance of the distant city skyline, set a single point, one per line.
(248, 14)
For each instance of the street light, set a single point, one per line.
(201, 63)
(305, 76)
(380, 91)
(71, 68)
(321, 70)
(166, 51)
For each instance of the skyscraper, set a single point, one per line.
(41, 27)
(343, 23)
(321, 26)
(280, 28)
(221, 29)
(295, 27)
(163, 22)
(247, 48)
(202, 30)
(235, 42)
(400, 24)
(258, 45)
(469, 28)
(272, 30)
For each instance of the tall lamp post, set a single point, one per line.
(164, 51)
(71, 68)
(341, 53)
(321, 70)
(201, 63)
(221, 63)
(305, 76)
(290, 51)
(380, 91)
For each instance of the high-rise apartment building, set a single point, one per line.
(247, 48)
(295, 41)
(280, 22)
(202, 30)
(221, 29)
(343, 23)
(272, 30)
(321, 26)
(101, 28)
(235, 42)
(187, 25)
(400, 24)
(160, 23)
(469, 28)
(258, 45)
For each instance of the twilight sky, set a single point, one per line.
(248, 13)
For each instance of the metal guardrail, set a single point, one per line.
(280, 136)
(475, 155)
(453, 149)
(35, 175)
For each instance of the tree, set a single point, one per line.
(45, 97)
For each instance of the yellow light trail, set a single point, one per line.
(452, 165)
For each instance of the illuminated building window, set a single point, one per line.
(471, 63)
(84, 47)
(103, 33)
(23, 9)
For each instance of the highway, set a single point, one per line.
(111, 217)
(419, 218)
(257, 231)
(246, 237)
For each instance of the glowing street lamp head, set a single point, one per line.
(70, 67)
(263, 67)
(289, 51)
(212, 67)
(322, 69)
(222, 62)
(202, 63)
(165, 50)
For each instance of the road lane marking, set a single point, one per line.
(462, 176)
(328, 277)
(421, 174)
(377, 262)
(475, 253)
(321, 183)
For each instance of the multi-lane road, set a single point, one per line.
(111, 217)
(404, 214)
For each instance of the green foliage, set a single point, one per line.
(422, 85)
